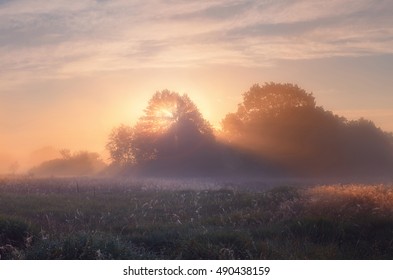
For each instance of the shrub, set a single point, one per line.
(13, 231)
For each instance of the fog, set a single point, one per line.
(278, 131)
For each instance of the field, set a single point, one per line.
(81, 218)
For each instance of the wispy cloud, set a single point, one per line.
(63, 38)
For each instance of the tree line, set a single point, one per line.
(277, 130)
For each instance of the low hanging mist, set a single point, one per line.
(277, 131)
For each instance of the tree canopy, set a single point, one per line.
(277, 130)
(172, 134)
(120, 145)
(282, 123)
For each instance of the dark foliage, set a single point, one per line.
(281, 123)
(278, 130)
(172, 138)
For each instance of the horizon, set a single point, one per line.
(73, 71)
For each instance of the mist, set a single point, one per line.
(242, 130)
(278, 131)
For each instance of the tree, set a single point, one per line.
(267, 102)
(366, 148)
(172, 123)
(273, 99)
(78, 164)
(65, 153)
(167, 109)
(281, 123)
(260, 119)
(171, 136)
(121, 145)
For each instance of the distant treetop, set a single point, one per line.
(272, 99)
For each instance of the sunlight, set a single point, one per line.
(165, 113)
(164, 117)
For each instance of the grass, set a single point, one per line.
(113, 219)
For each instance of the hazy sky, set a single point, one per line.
(72, 70)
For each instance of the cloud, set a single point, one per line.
(217, 11)
(25, 7)
(61, 38)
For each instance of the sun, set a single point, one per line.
(165, 113)
(164, 116)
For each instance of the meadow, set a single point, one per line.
(87, 218)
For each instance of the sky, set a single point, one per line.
(72, 70)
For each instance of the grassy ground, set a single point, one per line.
(103, 219)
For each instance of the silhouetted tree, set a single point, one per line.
(277, 129)
(171, 137)
(121, 145)
(281, 123)
(367, 148)
(65, 153)
(79, 164)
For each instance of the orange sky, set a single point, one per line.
(72, 71)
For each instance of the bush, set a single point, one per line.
(15, 236)
(13, 232)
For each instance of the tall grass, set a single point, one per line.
(113, 219)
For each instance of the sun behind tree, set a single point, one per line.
(172, 136)
(166, 109)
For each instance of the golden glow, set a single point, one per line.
(165, 113)
(372, 198)
(71, 93)
(87, 108)
(162, 117)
